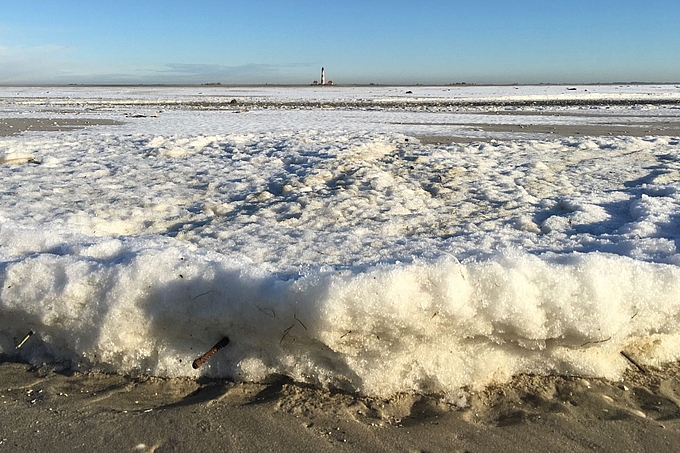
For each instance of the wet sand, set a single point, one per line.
(485, 132)
(474, 132)
(634, 130)
(43, 409)
(13, 126)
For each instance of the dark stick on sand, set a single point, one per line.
(631, 360)
(202, 359)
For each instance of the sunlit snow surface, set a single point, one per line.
(315, 229)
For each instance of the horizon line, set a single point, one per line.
(334, 85)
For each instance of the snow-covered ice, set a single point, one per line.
(332, 245)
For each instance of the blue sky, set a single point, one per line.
(429, 42)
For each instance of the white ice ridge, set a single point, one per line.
(152, 305)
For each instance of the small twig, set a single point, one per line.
(25, 339)
(435, 314)
(203, 294)
(348, 332)
(630, 359)
(285, 333)
(296, 318)
(264, 310)
(202, 359)
(596, 342)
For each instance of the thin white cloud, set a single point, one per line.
(56, 64)
(249, 73)
(37, 64)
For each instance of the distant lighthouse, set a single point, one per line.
(323, 79)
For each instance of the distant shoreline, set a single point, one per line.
(221, 97)
(335, 85)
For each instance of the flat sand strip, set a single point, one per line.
(49, 410)
(629, 130)
(670, 129)
(13, 126)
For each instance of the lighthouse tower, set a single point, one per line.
(323, 76)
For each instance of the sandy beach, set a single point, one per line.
(12, 126)
(481, 131)
(638, 130)
(43, 409)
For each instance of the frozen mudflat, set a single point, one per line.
(334, 241)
